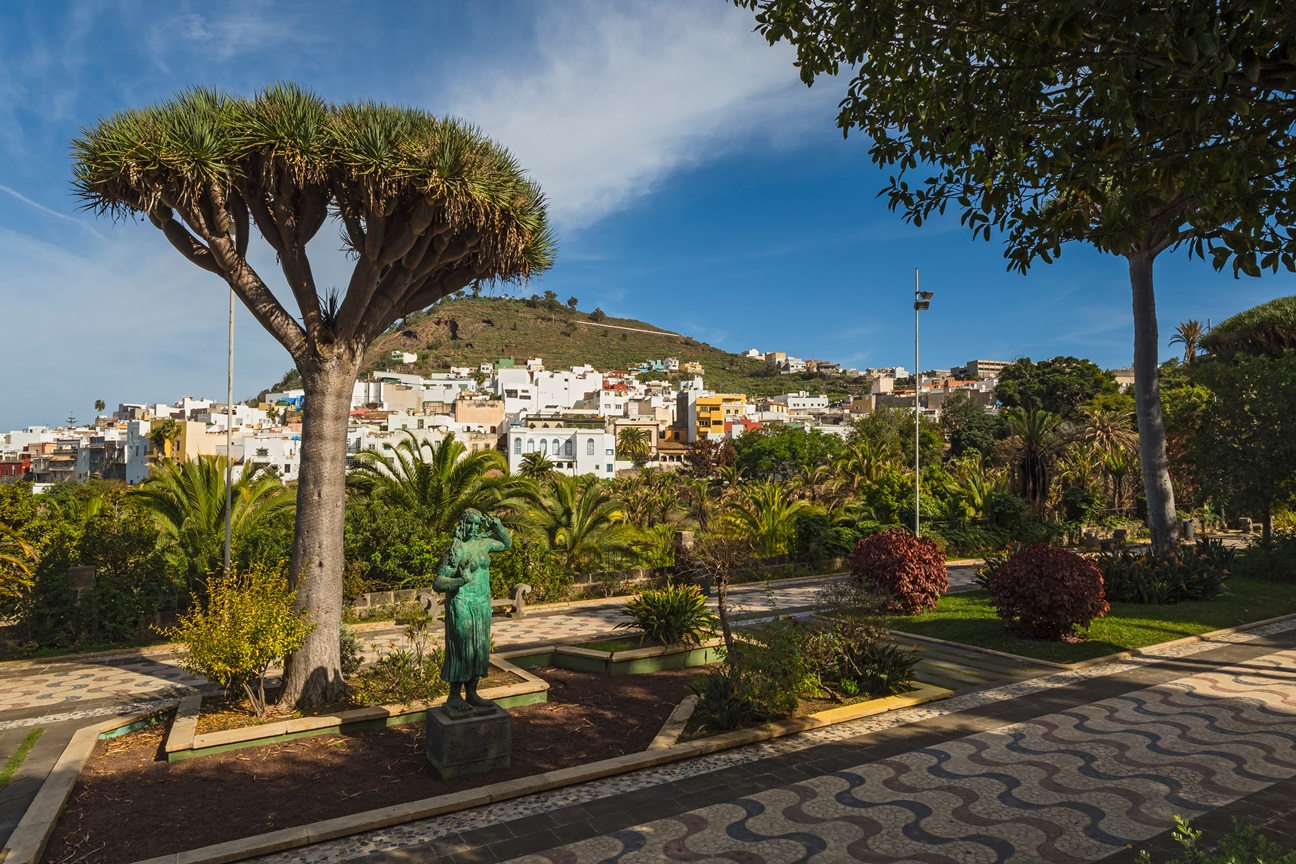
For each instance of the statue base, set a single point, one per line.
(459, 745)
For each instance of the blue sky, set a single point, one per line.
(694, 181)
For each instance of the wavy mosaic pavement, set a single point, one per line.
(1074, 786)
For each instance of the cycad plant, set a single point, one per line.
(674, 615)
(766, 512)
(16, 559)
(187, 501)
(1033, 449)
(438, 482)
(579, 519)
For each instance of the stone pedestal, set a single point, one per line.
(458, 746)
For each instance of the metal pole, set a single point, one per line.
(917, 388)
(229, 438)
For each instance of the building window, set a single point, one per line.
(589, 447)
(530, 446)
(568, 449)
(557, 446)
(609, 469)
(610, 452)
(517, 446)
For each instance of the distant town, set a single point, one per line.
(572, 416)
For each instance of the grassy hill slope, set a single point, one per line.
(471, 331)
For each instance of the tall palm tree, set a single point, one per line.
(16, 558)
(1033, 449)
(766, 512)
(187, 502)
(580, 520)
(634, 443)
(1189, 334)
(436, 481)
(1110, 430)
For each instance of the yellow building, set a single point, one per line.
(712, 412)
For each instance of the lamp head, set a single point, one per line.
(921, 305)
(926, 295)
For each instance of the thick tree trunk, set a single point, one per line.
(1147, 400)
(313, 673)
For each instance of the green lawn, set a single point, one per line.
(970, 618)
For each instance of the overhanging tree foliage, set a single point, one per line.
(425, 207)
(1135, 127)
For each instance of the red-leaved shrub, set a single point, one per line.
(911, 570)
(1048, 592)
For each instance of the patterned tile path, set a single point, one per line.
(498, 832)
(58, 685)
(1074, 786)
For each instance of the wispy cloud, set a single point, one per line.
(626, 94)
(47, 211)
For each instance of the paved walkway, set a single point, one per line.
(1067, 767)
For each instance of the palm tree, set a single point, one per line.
(1189, 334)
(1080, 464)
(16, 558)
(635, 444)
(863, 462)
(580, 520)
(161, 438)
(187, 502)
(436, 481)
(1119, 465)
(1033, 450)
(1110, 430)
(766, 512)
(972, 486)
(536, 466)
(99, 406)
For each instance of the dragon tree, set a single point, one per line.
(424, 207)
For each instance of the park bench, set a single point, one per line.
(515, 605)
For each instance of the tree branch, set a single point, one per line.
(184, 242)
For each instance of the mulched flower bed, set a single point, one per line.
(130, 804)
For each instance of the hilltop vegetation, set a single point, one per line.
(474, 330)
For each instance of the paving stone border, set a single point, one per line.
(370, 820)
(27, 843)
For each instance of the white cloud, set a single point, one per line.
(619, 96)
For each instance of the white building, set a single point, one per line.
(573, 451)
(802, 402)
(278, 451)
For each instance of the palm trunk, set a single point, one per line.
(1147, 400)
(313, 673)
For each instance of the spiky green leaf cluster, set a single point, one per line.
(368, 158)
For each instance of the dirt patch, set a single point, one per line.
(130, 805)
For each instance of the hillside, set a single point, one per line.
(475, 330)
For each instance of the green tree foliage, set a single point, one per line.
(187, 502)
(892, 428)
(132, 579)
(389, 546)
(1033, 450)
(1244, 448)
(1059, 386)
(438, 482)
(1269, 328)
(1189, 334)
(1136, 128)
(16, 559)
(967, 426)
(781, 452)
(247, 623)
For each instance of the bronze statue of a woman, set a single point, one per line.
(464, 576)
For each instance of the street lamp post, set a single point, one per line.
(922, 300)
